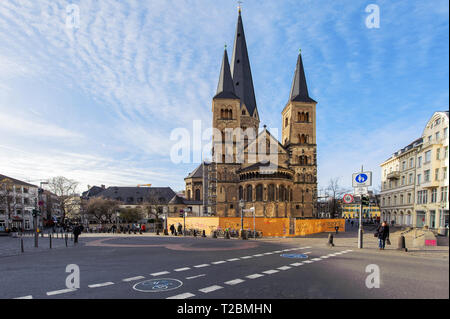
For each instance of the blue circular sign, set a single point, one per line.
(361, 178)
(157, 285)
(294, 256)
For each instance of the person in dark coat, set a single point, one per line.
(383, 234)
(76, 232)
(180, 229)
(172, 229)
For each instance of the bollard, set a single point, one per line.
(214, 234)
(50, 239)
(157, 232)
(195, 233)
(330, 240)
(36, 240)
(402, 244)
(65, 238)
(204, 234)
(21, 245)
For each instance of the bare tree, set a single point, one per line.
(101, 209)
(154, 207)
(335, 193)
(63, 188)
(130, 215)
(8, 200)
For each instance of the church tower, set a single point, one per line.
(299, 137)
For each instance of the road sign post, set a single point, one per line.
(361, 181)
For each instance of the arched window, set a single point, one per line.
(307, 117)
(249, 193)
(271, 195)
(197, 194)
(259, 193)
(286, 122)
(282, 196)
(231, 115)
(241, 192)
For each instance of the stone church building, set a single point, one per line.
(284, 187)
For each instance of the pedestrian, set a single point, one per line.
(76, 233)
(337, 229)
(383, 235)
(172, 229)
(143, 228)
(180, 228)
(352, 223)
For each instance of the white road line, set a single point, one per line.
(246, 257)
(218, 262)
(296, 264)
(277, 251)
(210, 289)
(308, 252)
(254, 276)
(160, 273)
(286, 249)
(133, 278)
(182, 296)
(193, 277)
(325, 257)
(284, 268)
(233, 259)
(258, 255)
(201, 266)
(268, 253)
(308, 261)
(25, 297)
(58, 292)
(234, 282)
(316, 259)
(109, 283)
(269, 272)
(182, 269)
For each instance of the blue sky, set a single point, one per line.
(98, 103)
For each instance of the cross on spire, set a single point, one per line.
(240, 6)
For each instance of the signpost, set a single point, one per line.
(348, 198)
(361, 182)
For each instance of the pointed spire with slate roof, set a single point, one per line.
(240, 69)
(225, 88)
(299, 90)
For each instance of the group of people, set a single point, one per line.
(174, 231)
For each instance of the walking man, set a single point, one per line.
(383, 234)
(76, 233)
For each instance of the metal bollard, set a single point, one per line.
(330, 240)
(36, 240)
(50, 240)
(21, 245)
(402, 244)
(66, 237)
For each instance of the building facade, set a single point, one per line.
(415, 179)
(251, 168)
(17, 201)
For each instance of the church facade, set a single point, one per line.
(250, 168)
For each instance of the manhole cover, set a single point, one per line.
(294, 256)
(158, 285)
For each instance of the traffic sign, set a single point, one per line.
(360, 191)
(348, 198)
(362, 179)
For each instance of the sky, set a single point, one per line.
(95, 99)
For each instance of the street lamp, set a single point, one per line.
(242, 205)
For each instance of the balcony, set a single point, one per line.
(430, 184)
(394, 175)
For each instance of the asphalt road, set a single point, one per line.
(208, 268)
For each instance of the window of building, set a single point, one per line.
(445, 132)
(419, 179)
(410, 179)
(429, 138)
(419, 161)
(409, 198)
(403, 165)
(437, 136)
(444, 175)
(419, 197)
(438, 153)
(427, 156)
(403, 180)
(436, 174)
(427, 176)
(425, 196)
(444, 194)
(401, 200)
(446, 152)
(411, 162)
(434, 195)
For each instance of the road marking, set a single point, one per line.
(109, 283)
(234, 282)
(325, 257)
(258, 255)
(308, 252)
(308, 261)
(201, 266)
(287, 249)
(25, 297)
(182, 269)
(233, 259)
(269, 272)
(210, 289)
(254, 276)
(182, 296)
(277, 251)
(284, 268)
(268, 253)
(58, 292)
(218, 262)
(246, 257)
(193, 277)
(316, 259)
(133, 278)
(296, 264)
(160, 273)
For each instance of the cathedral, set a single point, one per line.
(285, 184)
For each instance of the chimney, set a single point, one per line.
(103, 186)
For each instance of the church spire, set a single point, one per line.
(240, 69)
(225, 88)
(299, 89)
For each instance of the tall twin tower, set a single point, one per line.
(287, 188)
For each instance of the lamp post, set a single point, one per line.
(242, 205)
